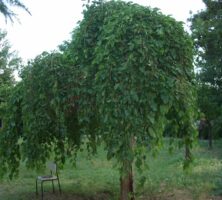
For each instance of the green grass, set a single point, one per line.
(96, 178)
(203, 180)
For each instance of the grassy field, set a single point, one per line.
(96, 178)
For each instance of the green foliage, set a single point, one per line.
(51, 117)
(125, 75)
(11, 133)
(42, 115)
(136, 66)
(8, 62)
(206, 31)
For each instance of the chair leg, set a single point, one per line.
(42, 188)
(53, 188)
(36, 186)
(59, 187)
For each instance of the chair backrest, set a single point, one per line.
(52, 167)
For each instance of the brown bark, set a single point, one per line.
(187, 153)
(126, 185)
(126, 180)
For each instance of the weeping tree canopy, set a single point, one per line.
(125, 75)
(137, 72)
(41, 115)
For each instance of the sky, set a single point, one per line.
(52, 21)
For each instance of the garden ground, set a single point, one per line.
(95, 178)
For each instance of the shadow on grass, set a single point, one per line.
(105, 195)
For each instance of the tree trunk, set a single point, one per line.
(210, 137)
(187, 153)
(126, 179)
(126, 183)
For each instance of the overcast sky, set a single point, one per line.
(52, 21)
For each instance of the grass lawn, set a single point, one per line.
(96, 178)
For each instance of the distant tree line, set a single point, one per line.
(207, 36)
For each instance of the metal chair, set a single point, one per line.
(53, 176)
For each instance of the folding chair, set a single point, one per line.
(52, 177)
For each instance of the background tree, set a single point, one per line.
(8, 62)
(207, 31)
(5, 8)
(126, 72)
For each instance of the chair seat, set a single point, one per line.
(47, 178)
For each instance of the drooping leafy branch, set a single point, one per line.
(5, 8)
(47, 114)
